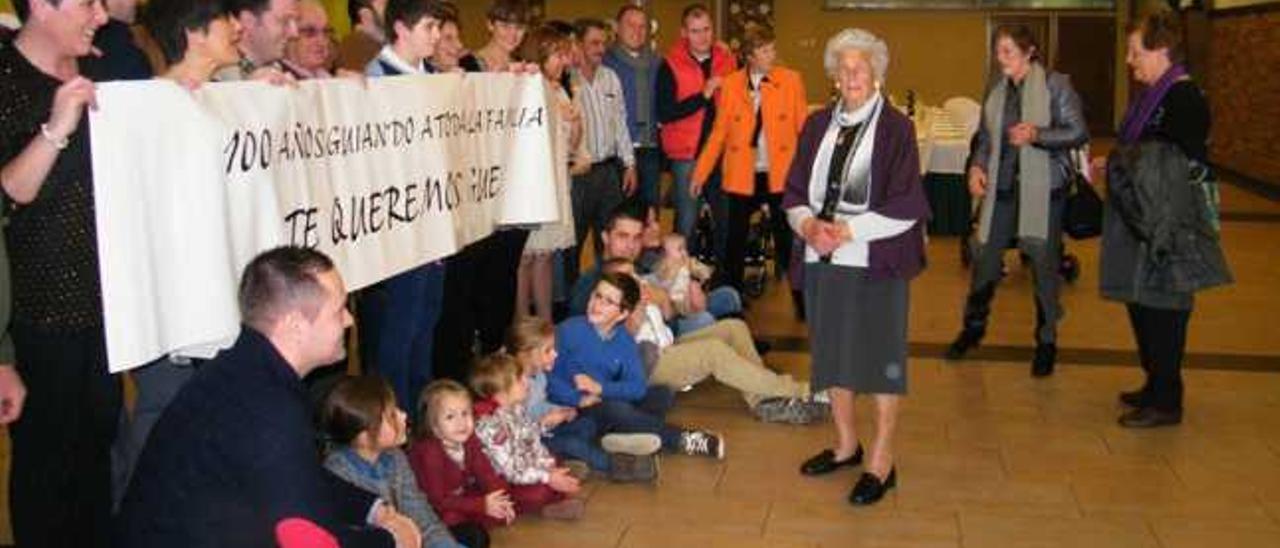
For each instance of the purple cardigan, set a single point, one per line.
(897, 192)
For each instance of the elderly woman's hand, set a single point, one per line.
(822, 236)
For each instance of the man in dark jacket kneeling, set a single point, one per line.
(234, 455)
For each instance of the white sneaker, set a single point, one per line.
(631, 444)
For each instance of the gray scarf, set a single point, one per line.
(642, 65)
(1033, 171)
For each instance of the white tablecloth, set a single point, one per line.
(943, 142)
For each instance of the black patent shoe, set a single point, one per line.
(870, 489)
(967, 340)
(1150, 417)
(1042, 364)
(825, 462)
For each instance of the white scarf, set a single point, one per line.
(861, 163)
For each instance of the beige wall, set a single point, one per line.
(666, 12)
(938, 54)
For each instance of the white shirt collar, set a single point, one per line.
(389, 56)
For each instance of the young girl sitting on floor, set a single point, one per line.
(452, 468)
(623, 457)
(513, 441)
(361, 418)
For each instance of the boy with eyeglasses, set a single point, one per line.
(598, 370)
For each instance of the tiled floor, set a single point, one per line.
(987, 455)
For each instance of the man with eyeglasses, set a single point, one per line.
(267, 26)
(310, 55)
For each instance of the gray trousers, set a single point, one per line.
(1045, 256)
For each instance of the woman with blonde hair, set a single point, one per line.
(550, 49)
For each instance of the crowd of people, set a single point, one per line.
(497, 380)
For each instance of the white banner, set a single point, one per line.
(381, 176)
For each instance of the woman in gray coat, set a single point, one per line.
(1021, 165)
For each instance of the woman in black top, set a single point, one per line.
(1158, 244)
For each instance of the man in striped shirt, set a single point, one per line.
(608, 141)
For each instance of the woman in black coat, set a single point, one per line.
(1159, 243)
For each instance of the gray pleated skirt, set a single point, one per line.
(857, 329)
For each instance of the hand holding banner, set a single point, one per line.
(382, 177)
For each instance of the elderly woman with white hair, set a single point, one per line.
(854, 195)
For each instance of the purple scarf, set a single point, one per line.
(1141, 109)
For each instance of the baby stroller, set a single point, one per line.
(1068, 268)
(702, 246)
(758, 263)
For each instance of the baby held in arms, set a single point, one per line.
(676, 270)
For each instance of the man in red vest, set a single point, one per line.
(687, 88)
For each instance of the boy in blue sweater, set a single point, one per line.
(598, 370)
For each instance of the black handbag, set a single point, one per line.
(1083, 216)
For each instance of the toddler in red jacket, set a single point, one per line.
(452, 468)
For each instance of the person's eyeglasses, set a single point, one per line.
(597, 296)
(509, 26)
(313, 32)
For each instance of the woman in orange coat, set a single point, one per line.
(758, 120)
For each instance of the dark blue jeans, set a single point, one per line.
(646, 416)
(687, 208)
(397, 329)
(649, 175)
(578, 439)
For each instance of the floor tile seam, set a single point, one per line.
(960, 536)
(622, 537)
(1151, 530)
(1072, 355)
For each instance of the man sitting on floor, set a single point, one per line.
(621, 238)
(723, 350)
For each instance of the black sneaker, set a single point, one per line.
(967, 340)
(701, 444)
